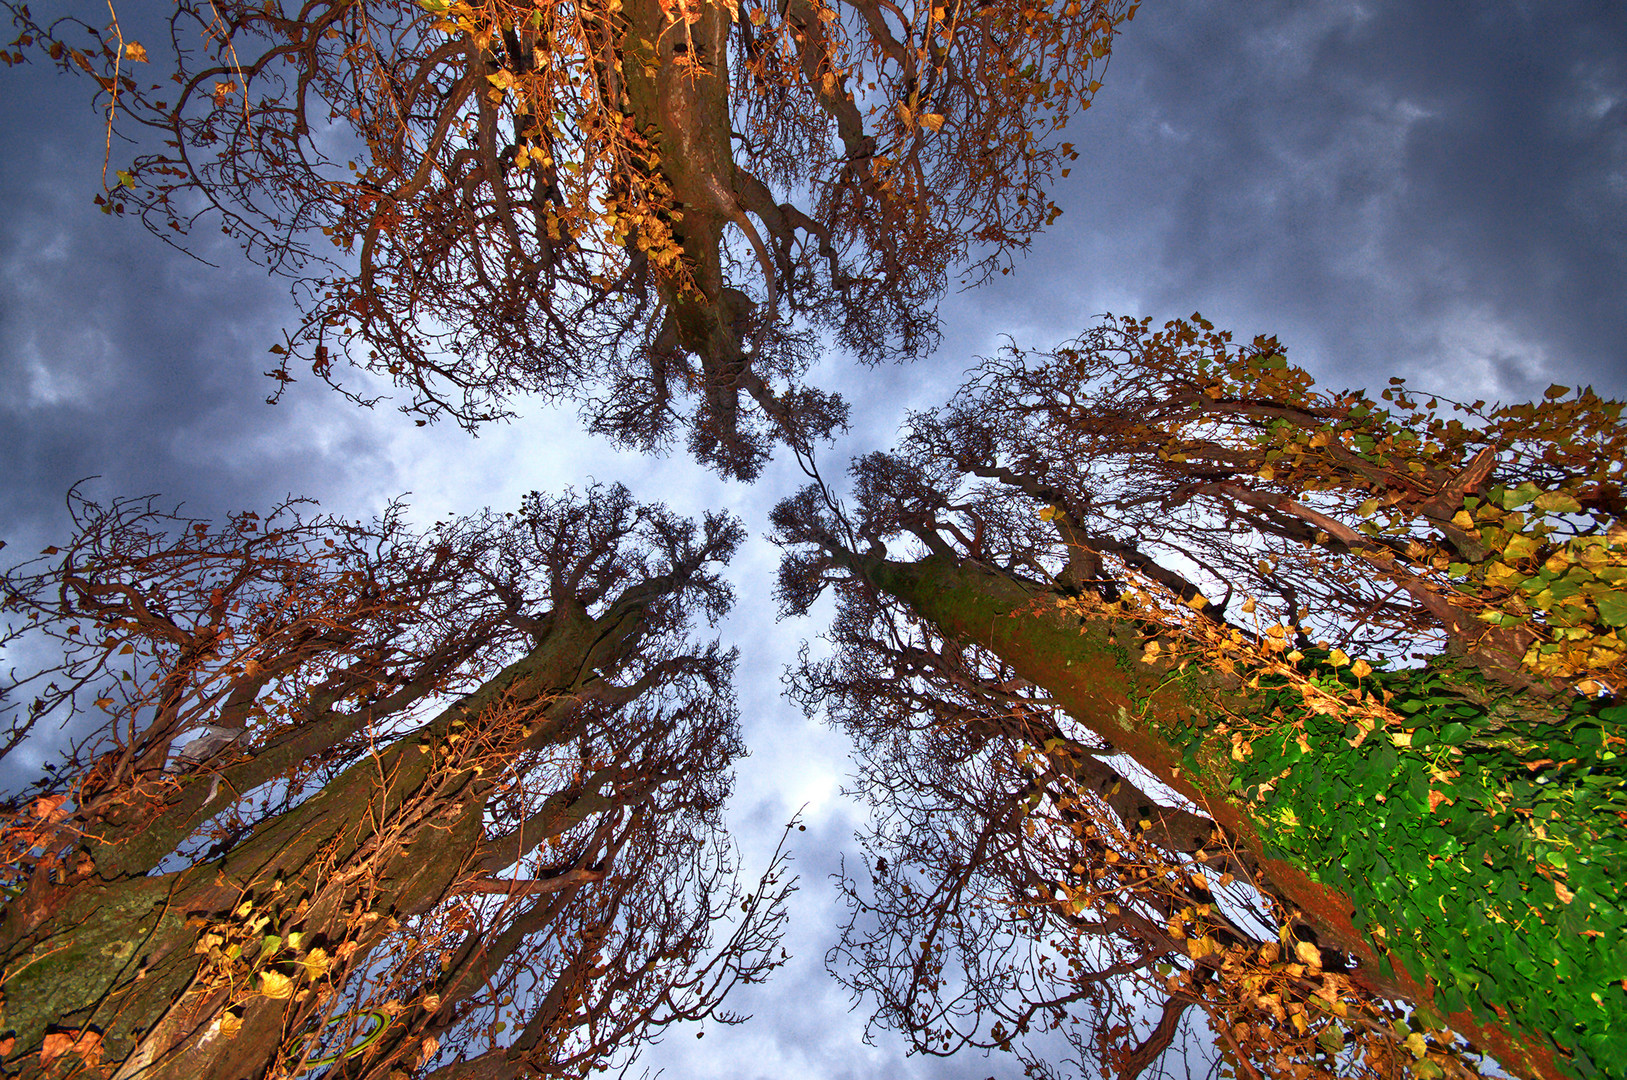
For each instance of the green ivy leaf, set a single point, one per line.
(1557, 502)
(1612, 607)
(1519, 496)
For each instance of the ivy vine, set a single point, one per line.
(1483, 846)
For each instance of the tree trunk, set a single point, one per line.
(1163, 715)
(126, 955)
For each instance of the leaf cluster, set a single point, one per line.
(1481, 846)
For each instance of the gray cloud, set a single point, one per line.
(1366, 180)
(130, 360)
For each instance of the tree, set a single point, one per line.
(1183, 543)
(482, 199)
(450, 806)
(1028, 895)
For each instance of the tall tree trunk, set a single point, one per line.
(1161, 714)
(129, 955)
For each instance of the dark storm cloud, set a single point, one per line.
(127, 359)
(1433, 189)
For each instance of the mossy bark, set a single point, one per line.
(116, 953)
(1159, 714)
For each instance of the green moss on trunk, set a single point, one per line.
(1343, 852)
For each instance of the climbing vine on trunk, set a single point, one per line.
(1231, 577)
(441, 801)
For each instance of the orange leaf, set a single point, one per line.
(87, 1045)
(49, 808)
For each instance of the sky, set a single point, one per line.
(1430, 189)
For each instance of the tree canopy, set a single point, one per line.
(451, 796)
(1182, 689)
(1208, 565)
(481, 200)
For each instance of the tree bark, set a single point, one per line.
(114, 950)
(1154, 712)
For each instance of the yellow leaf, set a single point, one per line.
(1248, 606)
(1338, 658)
(1415, 1044)
(1558, 502)
(1361, 669)
(316, 963)
(932, 121)
(133, 51)
(1197, 603)
(274, 984)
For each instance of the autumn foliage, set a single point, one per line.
(445, 801)
(482, 200)
(1167, 546)
(1029, 891)
(1394, 527)
(1192, 701)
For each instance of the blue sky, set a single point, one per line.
(1427, 189)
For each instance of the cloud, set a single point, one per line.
(129, 360)
(1353, 177)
